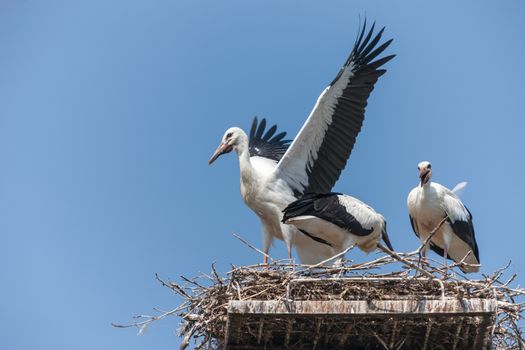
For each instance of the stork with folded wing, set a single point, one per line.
(428, 204)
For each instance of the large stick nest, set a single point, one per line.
(204, 311)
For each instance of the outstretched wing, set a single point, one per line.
(318, 154)
(267, 144)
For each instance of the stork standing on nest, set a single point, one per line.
(317, 155)
(428, 204)
(338, 220)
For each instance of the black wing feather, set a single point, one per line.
(368, 36)
(413, 225)
(253, 128)
(279, 137)
(465, 231)
(438, 250)
(370, 47)
(260, 129)
(270, 133)
(267, 146)
(327, 207)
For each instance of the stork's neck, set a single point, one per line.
(426, 187)
(426, 190)
(246, 168)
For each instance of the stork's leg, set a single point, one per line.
(339, 264)
(445, 259)
(267, 242)
(422, 256)
(289, 248)
(288, 236)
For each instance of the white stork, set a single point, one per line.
(317, 155)
(338, 220)
(428, 204)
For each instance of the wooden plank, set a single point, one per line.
(350, 308)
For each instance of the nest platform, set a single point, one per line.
(414, 305)
(346, 316)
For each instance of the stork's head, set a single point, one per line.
(425, 172)
(230, 141)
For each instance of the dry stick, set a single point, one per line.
(192, 282)
(381, 341)
(216, 274)
(151, 318)
(401, 343)
(501, 270)
(404, 261)
(327, 260)
(417, 251)
(173, 286)
(462, 262)
(186, 341)
(432, 233)
(251, 246)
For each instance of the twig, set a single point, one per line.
(404, 261)
(327, 260)
(151, 318)
(431, 234)
(172, 286)
(216, 274)
(251, 246)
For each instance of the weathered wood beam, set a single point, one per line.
(348, 308)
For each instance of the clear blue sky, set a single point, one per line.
(109, 112)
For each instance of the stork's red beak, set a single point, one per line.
(424, 175)
(222, 149)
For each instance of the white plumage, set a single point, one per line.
(428, 204)
(337, 220)
(317, 155)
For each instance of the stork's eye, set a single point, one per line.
(228, 135)
(429, 166)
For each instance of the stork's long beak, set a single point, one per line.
(222, 149)
(424, 175)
